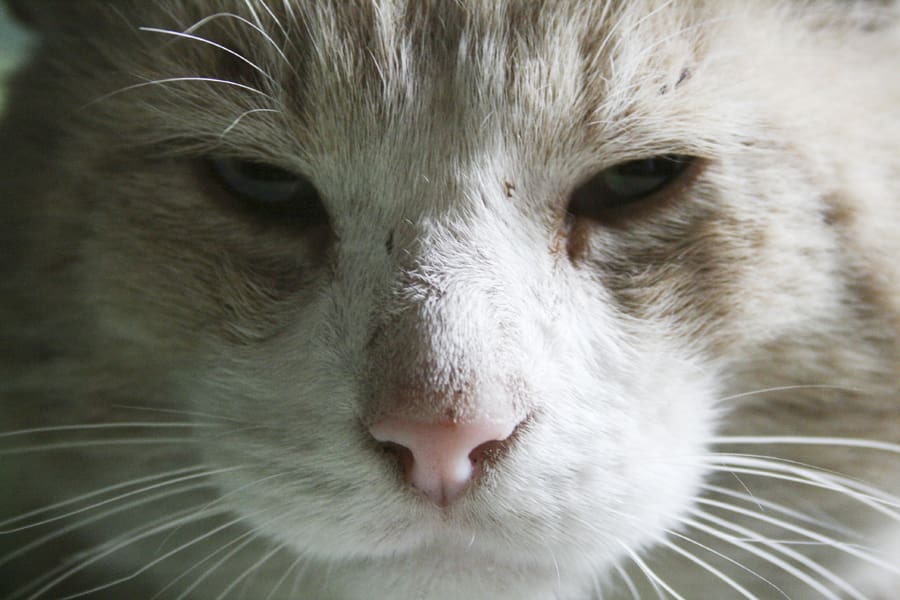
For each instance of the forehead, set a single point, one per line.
(447, 57)
(435, 85)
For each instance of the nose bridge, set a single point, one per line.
(439, 348)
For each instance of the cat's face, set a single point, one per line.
(594, 221)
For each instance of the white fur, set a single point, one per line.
(626, 355)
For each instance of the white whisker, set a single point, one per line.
(277, 21)
(203, 40)
(145, 567)
(96, 493)
(142, 490)
(651, 576)
(25, 589)
(809, 441)
(288, 7)
(768, 556)
(775, 545)
(251, 569)
(872, 497)
(629, 584)
(277, 585)
(241, 541)
(238, 119)
(95, 426)
(788, 388)
(260, 30)
(556, 567)
(711, 569)
(252, 534)
(40, 541)
(836, 544)
(99, 551)
(747, 489)
(729, 559)
(223, 497)
(295, 586)
(774, 506)
(168, 80)
(95, 444)
(872, 502)
(172, 411)
(812, 471)
(254, 14)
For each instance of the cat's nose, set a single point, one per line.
(441, 459)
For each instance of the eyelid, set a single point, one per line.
(621, 215)
(292, 201)
(261, 189)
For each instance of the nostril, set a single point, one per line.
(488, 452)
(402, 454)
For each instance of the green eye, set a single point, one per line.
(626, 184)
(271, 191)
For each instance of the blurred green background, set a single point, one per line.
(13, 43)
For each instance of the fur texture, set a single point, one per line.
(709, 386)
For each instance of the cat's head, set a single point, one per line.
(575, 227)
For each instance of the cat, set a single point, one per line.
(432, 299)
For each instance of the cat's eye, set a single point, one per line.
(627, 184)
(271, 191)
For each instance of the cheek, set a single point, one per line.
(171, 265)
(616, 451)
(653, 414)
(718, 276)
(685, 280)
(629, 400)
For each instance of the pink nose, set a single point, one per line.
(440, 459)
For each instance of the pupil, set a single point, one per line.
(641, 167)
(264, 172)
